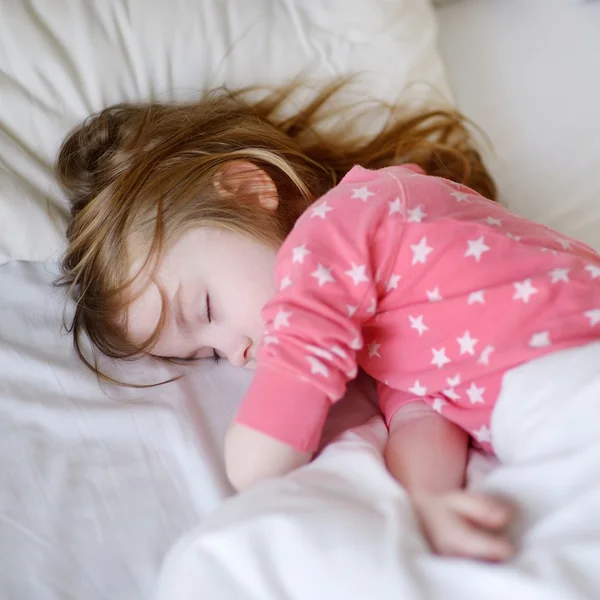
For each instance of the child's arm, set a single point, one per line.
(251, 456)
(330, 275)
(427, 454)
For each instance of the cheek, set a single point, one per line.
(244, 296)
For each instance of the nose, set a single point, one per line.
(238, 354)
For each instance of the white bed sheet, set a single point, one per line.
(95, 487)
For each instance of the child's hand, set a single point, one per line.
(462, 523)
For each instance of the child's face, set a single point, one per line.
(215, 284)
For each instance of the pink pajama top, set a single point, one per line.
(433, 290)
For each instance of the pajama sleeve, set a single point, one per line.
(391, 400)
(327, 273)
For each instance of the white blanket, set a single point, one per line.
(342, 528)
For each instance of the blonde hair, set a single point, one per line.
(146, 172)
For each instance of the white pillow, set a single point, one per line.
(60, 62)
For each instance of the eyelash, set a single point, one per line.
(216, 357)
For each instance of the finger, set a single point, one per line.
(485, 511)
(484, 546)
(463, 539)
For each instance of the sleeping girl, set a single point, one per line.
(222, 229)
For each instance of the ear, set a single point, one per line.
(243, 178)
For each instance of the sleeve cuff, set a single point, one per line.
(286, 408)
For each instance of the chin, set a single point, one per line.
(251, 364)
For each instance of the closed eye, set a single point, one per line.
(193, 358)
(215, 356)
(202, 353)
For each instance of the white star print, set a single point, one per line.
(351, 309)
(559, 275)
(420, 251)
(338, 352)
(270, 339)
(467, 343)
(417, 389)
(319, 352)
(476, 297)
(323, 275)
(484, 357)
(395, 207)
(524, 290)
(460, 196)
(594, 316)
(416, 215)
(317, 367)
(438, 404)
(352, 373)
(554, 252)
(285, 283)
(565, 244)
(593, 270)
(372, 307)
(417, 323)
(356, 343)
(392, 284)
(282, 319)
(357, 274)
(451, 392)
(362, 193)
(299, 253)
(475, 394)
(541, 339)
(439, 357)
(483, 434)
(492, 221)
(476, 248)
(320, 210)
(434, 295)
(373, 349)
(453, 381)
(517, 238)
